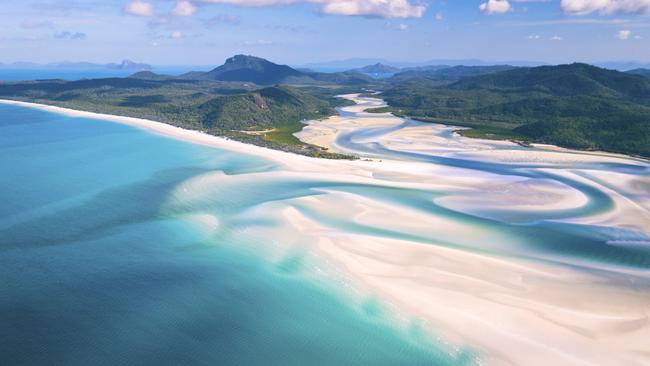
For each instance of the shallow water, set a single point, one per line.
(98, 267)
(124, 247)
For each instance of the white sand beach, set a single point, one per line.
(514, 309)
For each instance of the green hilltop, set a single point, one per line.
(577, 106)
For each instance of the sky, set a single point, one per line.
(206, 32)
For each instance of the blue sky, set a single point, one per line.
(205, 32)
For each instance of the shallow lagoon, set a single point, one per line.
(98, 268)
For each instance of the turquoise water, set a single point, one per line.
(122, 247)
(97, 267)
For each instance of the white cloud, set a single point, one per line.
(440, 16)
(139, 8)
(623, 35)
(582, 7)
(184, 8)
(403, 27)
(495, 7)
(556, 38)
(176, 35)
(534, 36)
(372, 8)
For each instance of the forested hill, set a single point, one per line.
(449, 74)
(243, 68)
(562, 80)
(243, 111)
(642, 72)
(576, 105)
(248, 68)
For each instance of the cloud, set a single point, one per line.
(138, 8)
(556, 38)
(495, 7)
(440, 16)
(623, 35)
(222, 19)
(70, 35)
(576, 21)
(368, 8)
(534, 36)
(176, 35)
(184, 8)
(582, 7)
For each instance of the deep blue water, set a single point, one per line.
(96, 270)
(18, 74)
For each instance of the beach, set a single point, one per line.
(481, 242)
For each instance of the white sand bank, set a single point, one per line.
(516, 311)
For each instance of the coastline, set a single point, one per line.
(528, 313)
(161, 128)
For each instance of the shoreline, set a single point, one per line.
(520, 312)
(528, 144)
(164, 129)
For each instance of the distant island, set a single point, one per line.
(68, 65)
(257, 101)
(377, 68)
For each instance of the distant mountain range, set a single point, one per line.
(445, 74)
(244, 68)
(622, 65)
(357, 63)
(68, 65)
(642, 72)
(377, 68)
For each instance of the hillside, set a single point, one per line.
(563, 80)
(242, 68)
(249, 69)
(233, 109)
(577, 106)
(642, 72)
(449, 74)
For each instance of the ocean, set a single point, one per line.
(104, 261)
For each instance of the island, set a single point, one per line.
(254, 100)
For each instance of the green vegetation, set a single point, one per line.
(447, 75)
(231, 109)
(576, 106)
(642, 72)
(492, 133)
(242, 68)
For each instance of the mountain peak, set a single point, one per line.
(377, 68)
(253, 69)
(241, 58)
(130, 65)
